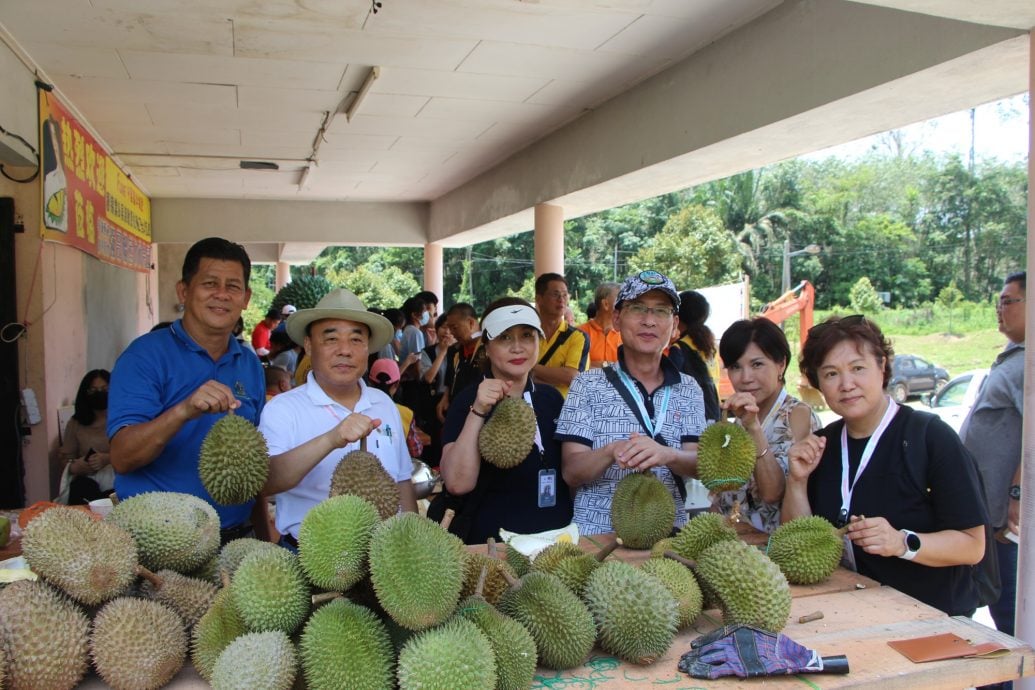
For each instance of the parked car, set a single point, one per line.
(912, 375)
(953, 402)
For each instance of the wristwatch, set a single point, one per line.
(1015, 492)
(912, 544)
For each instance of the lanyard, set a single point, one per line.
(871, 445)
(770, 418)
(538, 436)
(647, 422)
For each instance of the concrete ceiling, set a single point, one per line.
(183, 90)
(483, 108)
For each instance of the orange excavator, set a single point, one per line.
(798, 300)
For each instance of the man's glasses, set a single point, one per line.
(556, 294)
(641, 310)
(844, 321)
(1007, 301)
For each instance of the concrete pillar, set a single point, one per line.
(1025, 620)
(283, 276)
(549, 239)
(433, 273)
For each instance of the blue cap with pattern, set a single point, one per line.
(645, 281)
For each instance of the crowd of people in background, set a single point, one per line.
(629, 390)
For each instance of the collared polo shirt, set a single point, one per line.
(303, 413)
(595, 414)
(573, 352)
(158, 371)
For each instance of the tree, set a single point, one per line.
(864, 299)
(385, 288)
(694, 249)
(949, 298)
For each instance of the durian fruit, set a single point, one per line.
(681, 583)
(360, 473)
(453, 656)
(518, 562)
(270, 591)
(635, 614)
(574, 569)
(807, 549)
(345, 645)
(512, 645)
(220, 626)
(725, 456)
(558, 621)
(302, 292)
(137, 644)
(642, 510)
(750, 587)
(256, 660)
(91, 561)
(417, 570)
(43, 636)
(187, 596)
(208, 571)
(703, 530)
(661, 546)
(507, 436)
(333, 541)
(547, 559)
(234, 551)
(173, 531)
(234, 461)
(495, 583)
(5, 532)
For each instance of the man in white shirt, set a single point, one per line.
(309, 429)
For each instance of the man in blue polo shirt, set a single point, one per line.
(169, 387)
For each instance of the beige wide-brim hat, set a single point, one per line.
(344, 305)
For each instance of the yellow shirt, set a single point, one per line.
(572, 352)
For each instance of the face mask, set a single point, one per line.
(424, 318)
(98, 400)
(399, 335)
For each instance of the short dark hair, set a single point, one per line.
(826, 336)
(545, 279)
(1017, 277)
(440, 321)
(215, 248)
(760, 331)
(428, 296)
(396, 316)
(413, 305)
(462, 309)
(84, 414)
(273, 313)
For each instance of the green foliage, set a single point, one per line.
(693, 249)
(377, 287)
(261, 284)
(949, 298)
(863, 298)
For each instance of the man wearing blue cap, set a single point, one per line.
(640, 414)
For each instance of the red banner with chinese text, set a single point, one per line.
(88, 202)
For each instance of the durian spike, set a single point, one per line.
(490, 548)
(324, 597)
(606, 551)
(481, 581)
(447, 518)
(156, 581)
(672, 555)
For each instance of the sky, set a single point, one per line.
(1000, 131)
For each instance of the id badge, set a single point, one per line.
(547, 488)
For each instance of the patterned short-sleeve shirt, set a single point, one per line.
(595, 414)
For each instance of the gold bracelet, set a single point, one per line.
(762, 454)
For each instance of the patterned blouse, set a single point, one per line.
(766, 516)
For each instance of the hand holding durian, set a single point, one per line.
(352, 429)
(641, 452)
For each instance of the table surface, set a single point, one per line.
(859, 618)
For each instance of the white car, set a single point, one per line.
(953, 402)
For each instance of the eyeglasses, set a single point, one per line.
(1007, 301)
(641, 310)
(556, 294)
(844, 321)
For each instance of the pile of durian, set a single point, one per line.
(367, 602)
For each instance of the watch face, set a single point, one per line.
(1015, 492)
(913, 542)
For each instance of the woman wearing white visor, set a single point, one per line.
(531, 496)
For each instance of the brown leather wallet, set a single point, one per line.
(944, 646)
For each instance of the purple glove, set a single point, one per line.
(747, 652)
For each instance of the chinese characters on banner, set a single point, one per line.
(88, 202)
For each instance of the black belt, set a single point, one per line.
(236, 532)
